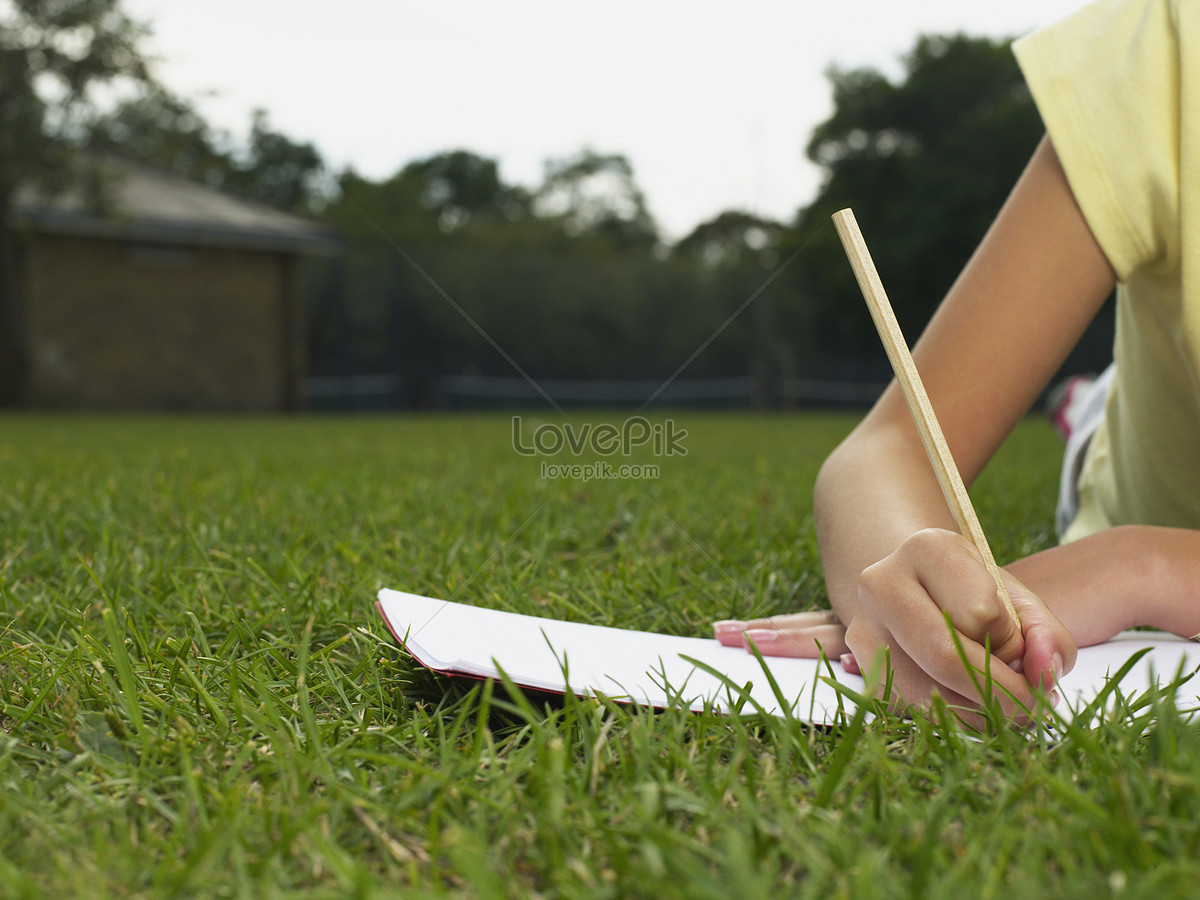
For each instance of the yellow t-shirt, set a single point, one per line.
(1118, 86)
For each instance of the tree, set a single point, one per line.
(732, 238)
(279, 171)
(459, 185)
(596, 194)
(738, 250)
(926, 163)
(156, 126)
(589, 302)
(53, 55)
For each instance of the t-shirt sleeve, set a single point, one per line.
(1106, 81)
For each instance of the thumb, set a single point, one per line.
(1050, 649)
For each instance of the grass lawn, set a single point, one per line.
(197, 697)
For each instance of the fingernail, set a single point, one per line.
(728, 626)
(762, 636)
(1018, 666)
(849, 663)
(1052, 697)
(1056, 664)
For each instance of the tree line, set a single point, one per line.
(449, 270)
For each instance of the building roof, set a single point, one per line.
(154, 205)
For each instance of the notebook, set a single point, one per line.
(662, 670)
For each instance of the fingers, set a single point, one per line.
(905, 601)
(1050, 648)
(729, 631)
(807, 643)
(952, 573)
(928, 655)
(806, 635)
(935, 607)
(911, 685)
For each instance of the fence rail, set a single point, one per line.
(382, 392)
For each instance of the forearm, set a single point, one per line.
(1120, 578)
(1032, 286)
(873, 492)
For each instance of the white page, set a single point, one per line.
(636, 666)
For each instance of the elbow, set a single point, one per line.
(830, 478)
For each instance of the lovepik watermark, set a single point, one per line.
(598, 439)
(601, 470)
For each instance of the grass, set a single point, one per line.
(198, 699)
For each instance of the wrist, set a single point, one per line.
(1168, 590)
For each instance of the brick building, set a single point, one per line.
(179, 298)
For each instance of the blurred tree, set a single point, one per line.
(443, 193)
(585, 302)
(53, 55)
(279, 171)
(563, 280)
(732, 238)
(441, 217)
(459, 184)
(158, 127)
(926, 162)
(595, 194)
(739, 250)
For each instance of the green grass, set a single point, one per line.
(197, 697)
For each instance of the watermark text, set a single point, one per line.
(601, 470)
(603, 439)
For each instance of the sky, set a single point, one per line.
(711, 102)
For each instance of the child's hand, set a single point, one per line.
(904, 601)
(804, 634)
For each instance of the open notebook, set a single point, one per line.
(661, 670)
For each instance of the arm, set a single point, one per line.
(1120, 578)
(1018, 308)
(1098, 586)
(1020, 305)
(892, 564)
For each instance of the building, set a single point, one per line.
(180, 297)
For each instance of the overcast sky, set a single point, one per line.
(712, 102)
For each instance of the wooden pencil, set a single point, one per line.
(923, 415)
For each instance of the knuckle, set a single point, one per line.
(874, 580)
(926, 542)
(979, 611)
(855, 635)
(926, 537)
